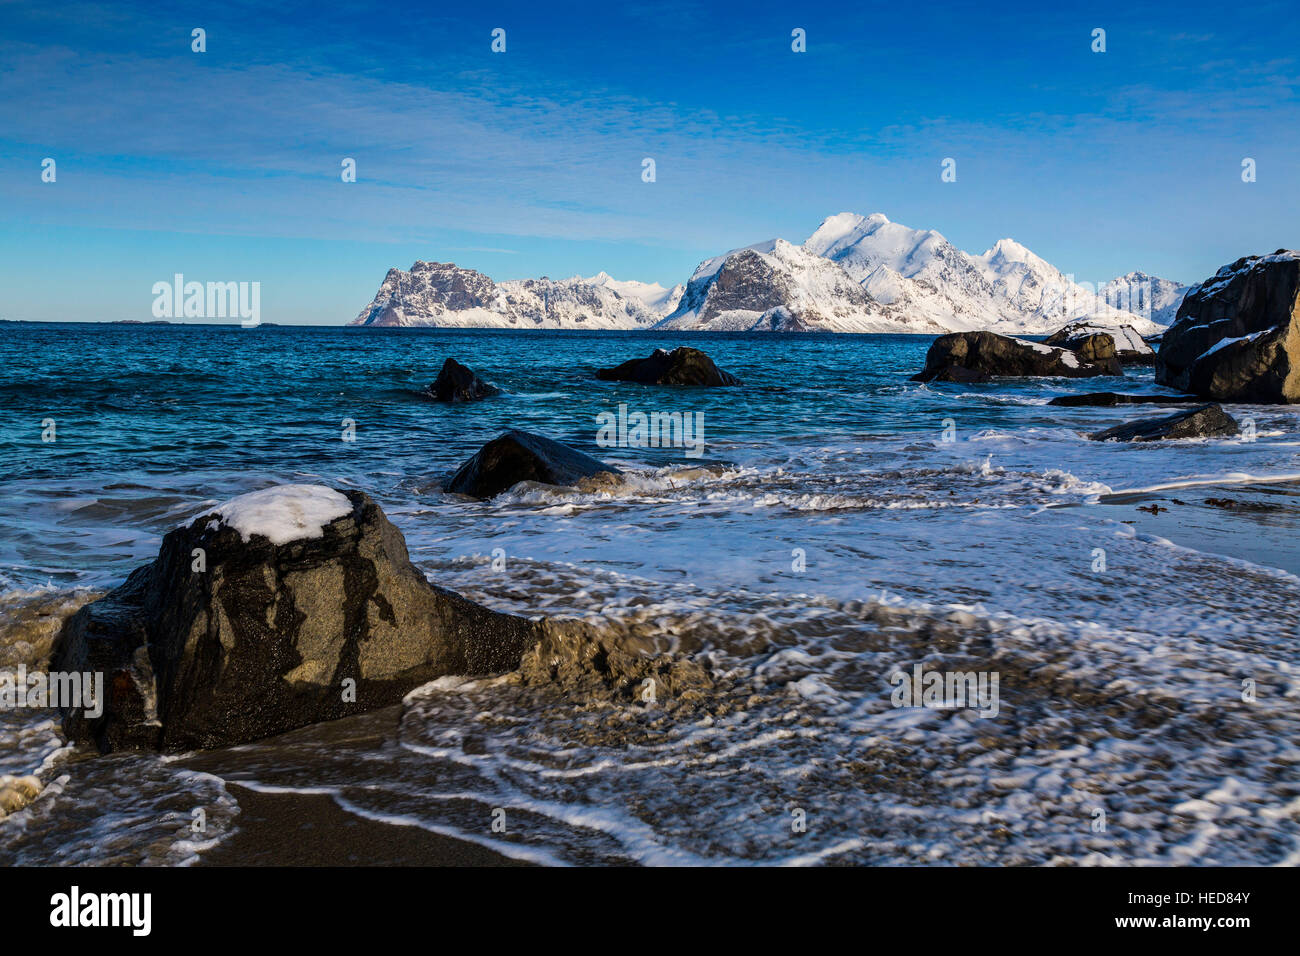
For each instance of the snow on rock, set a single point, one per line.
(1127, 339)
(1235, 336)
(283, 513)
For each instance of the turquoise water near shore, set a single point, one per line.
(829, 532)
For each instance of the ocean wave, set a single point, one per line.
(784, 714)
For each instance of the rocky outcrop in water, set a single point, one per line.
(1204, 421)
(1107, 399)
(456, 383)
(959, 375)
(681, 366)
(517, 456)
(1237, 335)
(990, 354)
(604, 663)
(1080, 337)
(276, 610)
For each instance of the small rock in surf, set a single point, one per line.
(681, 366)
(517, 456)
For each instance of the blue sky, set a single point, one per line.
(225, 165)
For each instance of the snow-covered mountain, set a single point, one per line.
(652, 295)
(1147, 295)
(778, 286)
(444, 295)
(927, 279)
(853, 274)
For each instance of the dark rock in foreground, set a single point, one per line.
(456, 383)
(262, 616)
(681, 366)
(1130, 347)
(521, 456)
(991, 354)
(1106, 399)
(1237, 335)
(1204, 421)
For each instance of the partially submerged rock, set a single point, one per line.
(1204, 421)
(517, 456)
(990, 354)
(1237, 335)
(1106, 399)
(278, 609)
(605, 663)
(681, 366)
(17, 792)
(961, 376)
(457, 383)
(1130, 347)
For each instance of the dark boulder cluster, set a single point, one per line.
(681, 366)
(1204, 421)
(980, 356)
(1078, 337)
(1236, 337)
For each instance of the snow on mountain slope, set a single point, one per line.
(1007, 289)
(447, 296)
(652, 295)
(853, 274)
(778, 286)
(709, 267)
(1146, 294)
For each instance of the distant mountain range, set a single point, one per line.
(853, 274)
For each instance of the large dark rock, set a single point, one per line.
(456, 383)
(254, 617)
(961, 376)
(1106, 399)
(681, 366)
(1236, 336)
(1079, 337)
(1204, 421)
(992, 354)
(519, 456)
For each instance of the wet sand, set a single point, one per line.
(312, 830)
(1253, 522)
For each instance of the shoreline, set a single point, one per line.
(294, 829)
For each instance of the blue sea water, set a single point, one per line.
(841, 522)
